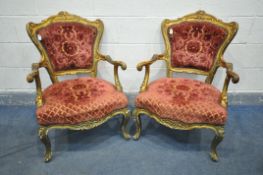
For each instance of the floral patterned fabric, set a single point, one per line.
(185, 100)
(78, 100)
(68, 45)
(195, 44)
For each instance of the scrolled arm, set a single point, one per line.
(229, 71)
(147, 65)
(31, 76)
(116, 65)
(34, 76)
(230, 75)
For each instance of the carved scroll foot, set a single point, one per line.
(124, 124)
(45, 140)
(138, 125)
(217, 139)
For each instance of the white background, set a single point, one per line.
(132, 34)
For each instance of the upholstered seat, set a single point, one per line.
(184, 100)
(79, 100)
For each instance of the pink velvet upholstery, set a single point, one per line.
(195, 44)
(185, 100)
(69, 45)
(78, 100)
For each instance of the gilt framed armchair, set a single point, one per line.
(194, 44)
(69, 45)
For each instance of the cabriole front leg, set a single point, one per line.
(219, 131)
(138, 125)
(43, 135)
(125, 120)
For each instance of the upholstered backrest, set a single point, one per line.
(195, 44)
(68, 45)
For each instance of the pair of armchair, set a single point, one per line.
(69, 44)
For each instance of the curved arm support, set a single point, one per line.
(147, 65)
(34, 76)
(116, 65)
(230, 75)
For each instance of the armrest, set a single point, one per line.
(147, 65)
(116, 65)
(230, 75)
(154, 58)
(34, 75)
(229, 71)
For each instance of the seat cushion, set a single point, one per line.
(184, 100)
(79, 100)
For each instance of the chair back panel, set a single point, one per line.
(69, 45)
(195, 44)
